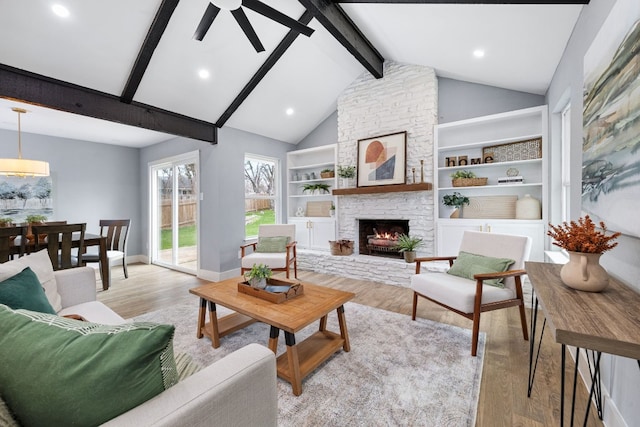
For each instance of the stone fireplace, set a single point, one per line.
(405, 99)
(378, 237)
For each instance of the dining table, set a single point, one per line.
(89, 240)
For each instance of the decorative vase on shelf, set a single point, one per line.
(528, 207)
(346, 182)
(584, 272)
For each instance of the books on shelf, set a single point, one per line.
(510, 180)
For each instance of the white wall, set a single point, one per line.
(621, 377)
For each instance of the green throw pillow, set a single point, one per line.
(62, 372)
(272, 244)
(467, 265)
(25, 291)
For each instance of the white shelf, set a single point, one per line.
(501, 186)
(314, 166)
(469, 138)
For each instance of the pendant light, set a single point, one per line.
(22, 167)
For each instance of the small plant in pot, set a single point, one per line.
(346, 173)
(34, 220)
(327, 173)
(408, 245)
(455, 200)
(6, 222)
(258, 275)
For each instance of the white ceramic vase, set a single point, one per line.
(584, 272)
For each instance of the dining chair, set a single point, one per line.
(12, 242)
(275, 248)
(61, 240)
(116, 232)
(484, 276)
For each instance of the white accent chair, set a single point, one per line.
(276, 261)
(469, 298)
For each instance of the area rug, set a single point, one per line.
(398, 372)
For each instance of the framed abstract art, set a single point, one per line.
(382, 160)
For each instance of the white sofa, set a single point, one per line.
(238, 390)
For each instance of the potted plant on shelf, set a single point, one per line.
(408, 245)
(464, 178)
(327, 173)
(323, 188)
(332, 210)
(585, 245)
(455, 200)
(258, 275)
(347, 173)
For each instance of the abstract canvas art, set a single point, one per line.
(611, 121)
(21, 197)
(382, 160)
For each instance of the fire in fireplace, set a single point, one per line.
(378, 237)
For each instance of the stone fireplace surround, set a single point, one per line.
(405, 99)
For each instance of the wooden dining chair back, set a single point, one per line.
(116, 232)
(65, 243)
(12, 242)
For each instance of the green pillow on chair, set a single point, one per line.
(62, 372)
(468, 265)
(272, 244)
(25, 291)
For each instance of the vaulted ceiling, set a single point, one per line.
(127, 72)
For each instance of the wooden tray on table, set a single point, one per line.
(284, 289)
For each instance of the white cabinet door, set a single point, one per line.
(314, 233)
(321, 232)
(449, 234)
(302, 232)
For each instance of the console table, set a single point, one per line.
(602, 322)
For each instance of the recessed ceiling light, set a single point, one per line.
(289, 111)
(60, 10)
(204, 74)
(478, 53)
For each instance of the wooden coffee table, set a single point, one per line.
(290, 316)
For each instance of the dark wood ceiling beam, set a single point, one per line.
(37, 89)
(336, 21)
(158, 26)
(277, 53)
(543, 2)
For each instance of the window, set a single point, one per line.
(566, 162)
(261, 193)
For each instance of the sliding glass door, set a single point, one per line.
(174, 213)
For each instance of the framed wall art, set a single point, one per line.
(382, 160)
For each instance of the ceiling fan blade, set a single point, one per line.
(244, 23)
(206, 21)
(277, 16)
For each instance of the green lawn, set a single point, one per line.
(187, 234)
(254, 219)
(186, 237)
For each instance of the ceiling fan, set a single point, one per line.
(236, 10)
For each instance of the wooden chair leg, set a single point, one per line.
(415, 306)
(475, 333)
(124, 267)
(523, 320)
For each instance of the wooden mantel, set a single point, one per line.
(424, 186)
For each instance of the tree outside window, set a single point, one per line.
(261, 193)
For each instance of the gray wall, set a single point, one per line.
(90, 181)
(620, 375)
(459, 100)
(222, 185)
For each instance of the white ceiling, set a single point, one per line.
(96, 47)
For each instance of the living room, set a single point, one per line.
(93, 181)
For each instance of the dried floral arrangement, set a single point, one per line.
(582, 236)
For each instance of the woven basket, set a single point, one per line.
(327, 174)
(341, 247)
(469, 182)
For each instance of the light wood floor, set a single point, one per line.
(503, 393)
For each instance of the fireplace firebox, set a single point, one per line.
(378, 237)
